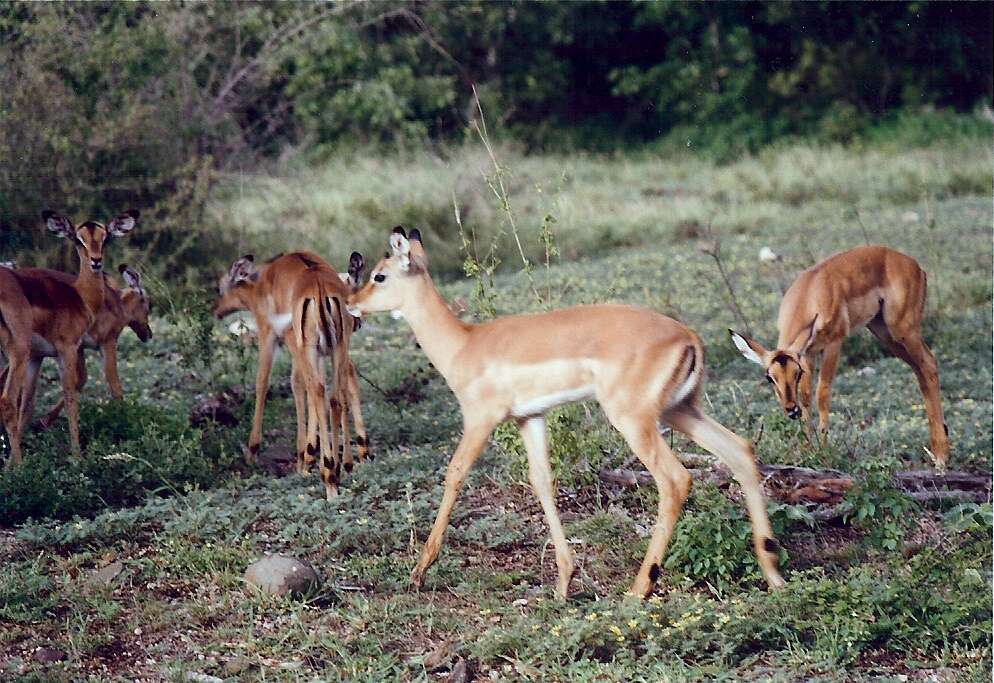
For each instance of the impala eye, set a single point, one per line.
(379, 277)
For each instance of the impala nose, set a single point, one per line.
(794, 413)
(96, 264)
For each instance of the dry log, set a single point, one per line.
(795, 484)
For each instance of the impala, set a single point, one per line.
(873, 286)
(58, 312)
(642, 368)
(127, 307)
(298, 299)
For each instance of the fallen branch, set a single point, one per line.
(795, 484)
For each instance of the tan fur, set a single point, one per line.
(122, 307)
(282, 287)
(635, 362)
(871, 286)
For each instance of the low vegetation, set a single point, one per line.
(894, 589)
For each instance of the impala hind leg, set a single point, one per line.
(672, 481)
(737, 455)
(534, 434)
(327, 444)
(355, 410)
(911, 349)
(11, 398)
(473, 440)
(28, 402)
(299, 388)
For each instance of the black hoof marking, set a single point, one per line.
(348, 467)
(654, 572)
(254, 449)
(770, 545)
(312, 449)
(360, 441)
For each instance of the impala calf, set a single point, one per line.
(641, 367)
(873, 286)
(126, 307)
(57, 312)
(298, 299)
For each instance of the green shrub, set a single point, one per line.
(130, 449)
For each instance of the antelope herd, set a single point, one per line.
(643, 368)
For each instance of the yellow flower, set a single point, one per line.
(633, 623)
(592, 616)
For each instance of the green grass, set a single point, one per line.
(903, 592)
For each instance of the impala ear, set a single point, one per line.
(131, 277)
(401, 248)
(241, 270)
(356, 266)
(751, 349)
(58, 224)
(123, 224)
(803, 341)
(418, 256)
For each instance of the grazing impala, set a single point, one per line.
(873, 286)
(127, 307)
(298, 299)
(641, 366)
(60, 313)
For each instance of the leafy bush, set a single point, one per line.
(130, 449)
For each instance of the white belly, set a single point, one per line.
(280, 322)
(542, 404)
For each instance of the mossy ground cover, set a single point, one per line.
(902, 591)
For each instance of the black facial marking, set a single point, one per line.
(770, 545)
(654, 572)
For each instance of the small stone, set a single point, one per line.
(238, 665)
(866, 372)
(909, 217)
(281, 575)
(106, 576)
(48, 655)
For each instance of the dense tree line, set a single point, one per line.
(112, 104)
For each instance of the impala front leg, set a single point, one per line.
(474, 438)
(829, 362)
(267, 346)
(109, 351)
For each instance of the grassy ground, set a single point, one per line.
(903, 593)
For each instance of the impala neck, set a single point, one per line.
(89, 285)
(440, 333)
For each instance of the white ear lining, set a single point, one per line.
(743, 346)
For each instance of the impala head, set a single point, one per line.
(390, 282)
(90, 237)
(135, 301)
(784, 367)
(232, 288)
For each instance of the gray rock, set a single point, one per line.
(281, 575)
(48, 655)
(106, 576)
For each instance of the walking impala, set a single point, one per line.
(31, 303)
(873, 286)
(299, 300)
(127, 307)
(641, 366)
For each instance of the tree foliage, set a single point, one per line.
(108, 105)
